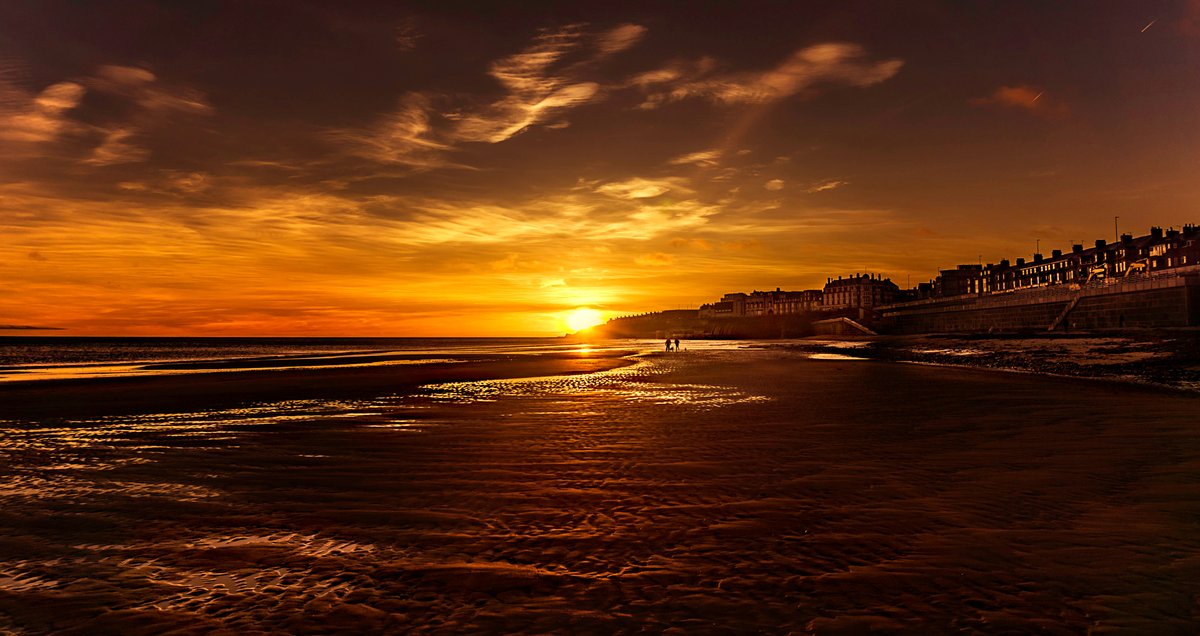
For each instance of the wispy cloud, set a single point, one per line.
(116, 148)
(37, 118)
(620, 38)
(701, 158)
(535, 92)
(562, 216)
(639, 188)
(407, 35)
(825, 186)
(1027, 98)
(805, 71)
(59, 113)
(657, 259)
(405, 137)
(539, 88)
(774, 185)
(143, 88)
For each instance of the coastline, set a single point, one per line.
(191, 392)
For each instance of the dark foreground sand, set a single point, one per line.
(719, 491)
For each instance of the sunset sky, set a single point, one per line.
(411, 169)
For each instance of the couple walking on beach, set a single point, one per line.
(669, 344)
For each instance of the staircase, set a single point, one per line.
(1066, 310)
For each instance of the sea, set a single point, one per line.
(24, 358)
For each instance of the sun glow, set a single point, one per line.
(583, 318)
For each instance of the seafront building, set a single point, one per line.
(1151, 280)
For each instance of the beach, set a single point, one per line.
(711, 490)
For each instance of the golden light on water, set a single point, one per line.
(583, 318)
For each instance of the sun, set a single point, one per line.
(582, 318)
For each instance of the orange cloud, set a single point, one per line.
(536, 92)
(1028, 98)
(825, 186)
(657, 259)
(116, 148)
(834, 64)
(39, 118)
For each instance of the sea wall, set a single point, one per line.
(1171, 300)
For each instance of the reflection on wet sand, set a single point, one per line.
(746, 490)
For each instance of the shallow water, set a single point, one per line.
(59, 358)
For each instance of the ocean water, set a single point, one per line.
(30, 358)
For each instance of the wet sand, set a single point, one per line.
(88, 398)
(725, 491)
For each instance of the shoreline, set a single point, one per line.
(77, 398)
(230, 382)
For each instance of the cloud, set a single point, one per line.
(832, 64)
(39, 118)
(701, 158)
(143, 88)
(553, 217)
(59, 114)
(535, 92)
(405, 137)
(620, 38)
(694, 243)
(657, 259)
(825, 186)
(774, 185)
(1024, 97)
(539, 88)
(741, 245)
(116, 148)
(638, 188)
(407, 35)
(188, 182)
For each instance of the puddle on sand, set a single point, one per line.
(832, 356)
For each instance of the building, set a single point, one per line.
(1128, 257)
(763, 303)
(861, 291)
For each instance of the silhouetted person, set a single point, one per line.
(677, 344)
(668, 344)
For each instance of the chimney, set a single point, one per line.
(1156, 232)
(1020, 262)
(1004, 263)
(1127, 238)
(1037, 258)
(1100, 243)
(1172, 233)
(1077, 248)
(1056, 254)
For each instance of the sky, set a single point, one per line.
(302, 168)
